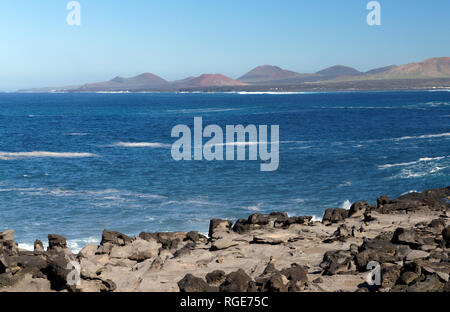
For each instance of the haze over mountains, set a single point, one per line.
(270, 77)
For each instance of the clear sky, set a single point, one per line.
(175, 39)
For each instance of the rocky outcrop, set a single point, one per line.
(406, 240)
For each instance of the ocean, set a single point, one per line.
(75, 164)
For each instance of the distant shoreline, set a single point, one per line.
(441, 84)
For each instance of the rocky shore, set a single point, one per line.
(406, 240)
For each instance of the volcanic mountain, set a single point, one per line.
(266, 74)
(207, 80)
(145, 81)
(338, 70)
(438, 67)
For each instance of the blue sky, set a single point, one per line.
(175, 39)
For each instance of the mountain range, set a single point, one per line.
(269, 77)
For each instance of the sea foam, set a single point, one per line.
(42, 154)
(141, 144)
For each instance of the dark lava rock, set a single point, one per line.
(215, 277)
(382, 200)
(357, 209)
(114, 238)
(219, 225)
(337, 261)
(335, 215)
(238, 281)
(446, 236)
(168, 240)
(55, 241)
(190, 283)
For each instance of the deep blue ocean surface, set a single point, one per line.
(68, 165)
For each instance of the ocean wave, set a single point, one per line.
(75, 245)
(424, 136)
(424, 159)
(141, 144)
(418, 173)
(203, 110)
(316, 218)
(78, 134)
(345, 183)
(256, 207)
(42, 154)
(346, 204)
(411, 191)
(270, 93)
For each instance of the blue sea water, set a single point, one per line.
(67, 165)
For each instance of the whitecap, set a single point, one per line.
(42, 154)
(78, 134)
(75, 245)
(345, 183)
(346, 204)
(424, 159)
(141, 144)
(424, 136)
(316, 218)
(26, 246)
(256, 207)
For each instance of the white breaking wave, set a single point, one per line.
(316, 218)
(408, 174)
(78, 134)
(425, 159)
(75, 245)
(141, 144)
(256, 207)
(29, 247)
(41, 154)
(346, 205)
(425, 136)
(411, 191)
(271, 92)
(203, 110)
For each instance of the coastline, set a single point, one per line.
(407, 236)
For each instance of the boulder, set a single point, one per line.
(357, 209)
(238, 281)
(337, 261)
(7, 244)
(216, 277)
(38, 247)
(216, 225)
(335, 215)
(446, 236)
(56, 241)
(114, 238)
(168, 240)
(382, 200)
(190, 283)
(297, 276)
